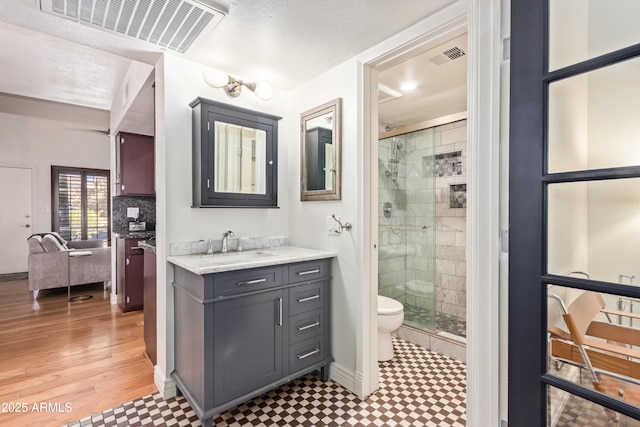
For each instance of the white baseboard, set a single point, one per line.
(343, 376)
(166, 386)
(358, 379)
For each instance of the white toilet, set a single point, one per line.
(390, 318)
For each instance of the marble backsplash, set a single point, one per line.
(246, 244)
(146, 205)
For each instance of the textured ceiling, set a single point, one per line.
(285, 42)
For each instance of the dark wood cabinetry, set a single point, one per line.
(241, 333)
(130, 274)
(149, 280)
(135, 165)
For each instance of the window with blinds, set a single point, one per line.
(81, 203)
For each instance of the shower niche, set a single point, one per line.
(422, 226)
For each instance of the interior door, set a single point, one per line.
(15, 218)
(574, 213)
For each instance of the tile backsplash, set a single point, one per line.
(146, 206)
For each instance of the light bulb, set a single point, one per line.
(263, 91)
(215, 78)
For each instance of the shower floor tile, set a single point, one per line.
(417, 388)
(422, 318)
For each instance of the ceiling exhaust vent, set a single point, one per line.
(447, 56)
(170, 24)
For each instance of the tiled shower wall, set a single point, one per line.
(451, 222)
(424, 241)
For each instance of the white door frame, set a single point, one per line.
(482, 20)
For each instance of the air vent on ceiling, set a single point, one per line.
(447, 56)
(171, 24)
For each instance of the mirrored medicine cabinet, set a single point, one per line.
(235, 156)
(320, 152)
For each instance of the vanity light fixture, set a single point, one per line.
(233, 86)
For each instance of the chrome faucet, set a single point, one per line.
(209, 247)
(225, 236)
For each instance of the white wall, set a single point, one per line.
(35, 136)
(178, 83)
(568, 151)
(614, 207)
(307, 219)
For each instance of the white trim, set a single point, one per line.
(437, 28)
(367, 354)
(483, 247)
(483, 20)
(166, 386)
(343, 376)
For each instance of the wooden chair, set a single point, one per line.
(605, 349)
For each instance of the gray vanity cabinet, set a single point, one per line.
(248, 345)
(241, 333)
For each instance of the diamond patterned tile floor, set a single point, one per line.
(417, 388)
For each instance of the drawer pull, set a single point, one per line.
(136, 247)
(251, 282)
(302, 273)
(311, 298)
(311, 353)
(312, 325)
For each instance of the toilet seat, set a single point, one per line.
(388, 306)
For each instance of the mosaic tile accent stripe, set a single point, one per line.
(417, 388)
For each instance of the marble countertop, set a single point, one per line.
(218, 262)
(148, 245)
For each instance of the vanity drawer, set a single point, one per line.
(306, 325)
(304, 298)
(306, 353)
(242, 281)
(309, 270)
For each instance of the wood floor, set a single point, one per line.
(60, 361)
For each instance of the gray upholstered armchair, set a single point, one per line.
(50, 265)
